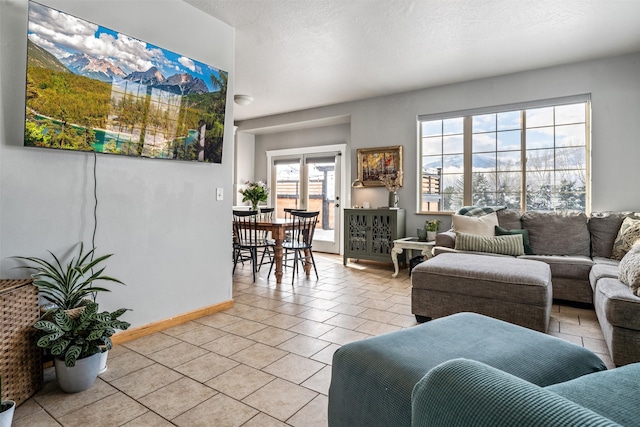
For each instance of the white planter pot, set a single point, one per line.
(103, 361)
(431, 235)
(79, 377)
(7, 416)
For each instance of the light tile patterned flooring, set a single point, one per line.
(264, 362)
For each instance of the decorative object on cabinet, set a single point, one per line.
(392, 181)
(373, 162)
(369, 233)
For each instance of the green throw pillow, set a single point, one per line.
(505, 245)
(501, 231)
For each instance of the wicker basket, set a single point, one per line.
(20, 358)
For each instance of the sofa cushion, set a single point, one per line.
(558, 233)
(612, 394)
(573, 267)
(628, 234)
(506, 245)
(481, 226)
(630, 269)
(620, 306)
(501, 231)
(604, 227)
(599, 270)
(509, 218)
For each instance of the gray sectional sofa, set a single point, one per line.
(578, 250)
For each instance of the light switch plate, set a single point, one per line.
(219, 194)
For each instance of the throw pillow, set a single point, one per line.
(505, 245)
(628, 234)
(481, 226)
(629, 269)
(500, 231)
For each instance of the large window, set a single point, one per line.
(534, 157)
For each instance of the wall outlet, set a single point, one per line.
(219, 194)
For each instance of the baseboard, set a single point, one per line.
(141, 331)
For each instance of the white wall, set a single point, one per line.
(614, 85)
(244, 164)
(160, 218)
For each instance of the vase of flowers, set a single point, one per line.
(392, 181)
(255, 192)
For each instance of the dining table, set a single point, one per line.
(278, 228)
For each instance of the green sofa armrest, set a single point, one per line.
(463, 392)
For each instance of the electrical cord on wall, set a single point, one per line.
(95, 205)
(95, 214)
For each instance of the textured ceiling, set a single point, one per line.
(298, 54)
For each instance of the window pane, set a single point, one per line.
(484, 189)
(453, 163)
(287, 187)
(509, 140)
(431, 164)
(453, 144)
(484, 123)
(570, 135)
(570, 158)
(509, 182)
(570, 190)
(509, 161)
(432, 128)
(483, 142)
(573, 180)
(540, 138)
(483, 162)
(510, 200)
(539, 117)
(431, 197)
(574, 113)
(538, 160)
(432, 145)
(453, 126)
(452, 192)
(509, 120)
(539, 191)
(452, 183)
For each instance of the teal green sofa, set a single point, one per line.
(462, 392)
(372, 380)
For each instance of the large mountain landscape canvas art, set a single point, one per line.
(89, 88)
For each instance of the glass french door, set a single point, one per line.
(312, 182)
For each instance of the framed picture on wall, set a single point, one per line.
(373, 162)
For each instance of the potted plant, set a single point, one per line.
(69, 287)
(255, 193)
(75, 343)
(432, 225)
(6, 410)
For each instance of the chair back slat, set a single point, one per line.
(245, 227)
(288, 211)
(266, 214)
(304, 225)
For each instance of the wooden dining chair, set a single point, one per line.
(266, 214)
(247, 239)
(304, 226)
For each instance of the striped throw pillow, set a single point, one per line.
(505, 245)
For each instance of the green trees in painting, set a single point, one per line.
(65, 110)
